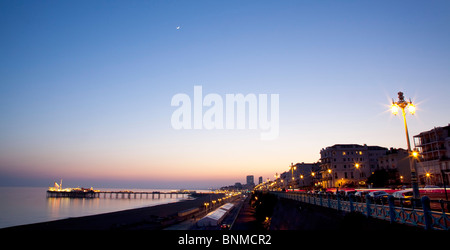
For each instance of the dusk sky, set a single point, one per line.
(86, 86)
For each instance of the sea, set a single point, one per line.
(27, 205)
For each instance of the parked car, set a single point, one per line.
(403, 197)
(378, 194)
(361, 194)
(404, 194)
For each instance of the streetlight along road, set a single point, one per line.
(402, 104)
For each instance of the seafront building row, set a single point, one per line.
(354, 165)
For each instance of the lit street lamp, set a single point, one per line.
(402, 104)
(276, 179)
(329, 178)
(293, 167)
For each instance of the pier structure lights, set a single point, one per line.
(402, 104)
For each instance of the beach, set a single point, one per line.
(146, 218)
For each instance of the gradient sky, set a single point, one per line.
(86, 86)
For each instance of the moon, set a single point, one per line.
(178, 27)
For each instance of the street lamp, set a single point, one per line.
(402, 104)
(293, 167)
(276, 179)
(428, 175)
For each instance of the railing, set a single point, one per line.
(404, 211)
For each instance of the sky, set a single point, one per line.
(86, 86)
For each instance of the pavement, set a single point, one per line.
(246, 219)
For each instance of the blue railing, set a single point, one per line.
(404, 211)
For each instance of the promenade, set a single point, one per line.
(246, 219)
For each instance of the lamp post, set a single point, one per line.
(276, 180)
(293, 167)
(330, 178)
(402, 104)
(443, 171)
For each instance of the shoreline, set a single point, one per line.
(145, 218)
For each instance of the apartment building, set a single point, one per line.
(348, 164)
(433, 145)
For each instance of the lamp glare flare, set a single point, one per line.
(402, 105)
(394, 108)
(411, 108)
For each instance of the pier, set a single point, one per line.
(89, 193)
(58, 192)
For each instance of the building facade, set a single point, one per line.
(396, 163)
(344, 165)
(302, 175)
(433, 167)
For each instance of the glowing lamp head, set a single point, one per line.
(357, 165)
(394, 108)
(411, 108)
(415, 154)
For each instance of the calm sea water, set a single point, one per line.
(26, 205)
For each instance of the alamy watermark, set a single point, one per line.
(213, 112)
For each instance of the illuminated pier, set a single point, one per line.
(58, 192)
(88, 193)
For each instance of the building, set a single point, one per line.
(260, 180)
(306, 174)
(300, 175)
(396, 163)
(250, 181)
(433, 167)
(347, 165)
